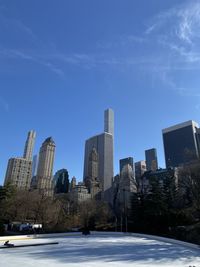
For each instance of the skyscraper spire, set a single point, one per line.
(109, 121)
(30, 141)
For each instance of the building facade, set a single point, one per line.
(61, 178)
(124, 162)
(80, 193)
(45, 167)
(102, 144)
(161, 176)
(124, 189)
(28, 150)
(181, 143)
(140, 168)
(19, 169)
(151, 159)
(92, 182)
(127, 179)
(198, 139)
(19, 173)
(73, 183)
(35, 165)
(109, 121)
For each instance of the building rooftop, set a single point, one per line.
(180, 125)
(49, 140)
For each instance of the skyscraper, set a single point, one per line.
(151, 159)
(93, 166)
(19, 170)
(19, 173)
(109, 121)
(124, 192)
(103, 145)
(126, 161)
(198, 139)
(181, 143)
(28, 150)
(62, 181)
(92, 181)
(73, 183)
(127, 179)
(45, 167)
(35, 165)
(140, 168)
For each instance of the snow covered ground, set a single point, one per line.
(99, 250)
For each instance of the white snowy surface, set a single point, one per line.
(99, 250)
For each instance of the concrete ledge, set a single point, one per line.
(16, 237)
(26, 237)
(167, 240)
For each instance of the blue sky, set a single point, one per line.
(63, 62)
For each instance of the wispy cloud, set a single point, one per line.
(37, 46)
(103, 60)
(176, 32)
(18, 54)
(54, 60)
(121, 41)
(179, 29)
(189, 22)
(18, 26)
(107, 52)
(171, 84)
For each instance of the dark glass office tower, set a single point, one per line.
(125, 161)
(151, 159)
(181, 144)
(140, 168)
(61, 181)
(198, 140)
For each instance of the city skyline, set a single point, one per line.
(60, 71)
(119, 161)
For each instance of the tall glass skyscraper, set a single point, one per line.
(109, 121)
(61, 179)
(126, 161)
(103, 145)
(140, 168)
(181, 144)
(198, 139)
(30, 141)
(151, 159)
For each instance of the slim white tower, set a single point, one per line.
(109, 121)
(103, 145)
(30, 141)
